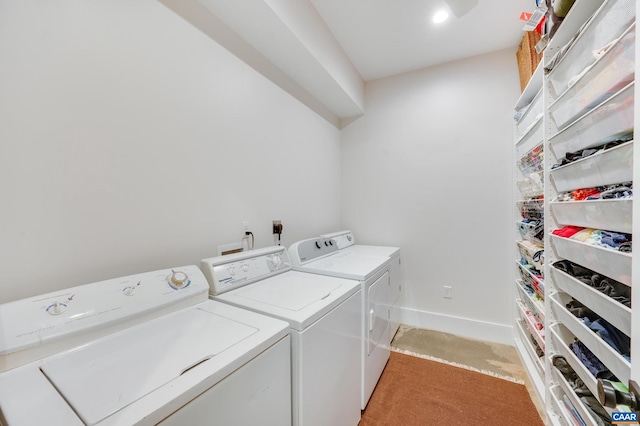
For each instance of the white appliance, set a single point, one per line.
(144, 349)
(324, 315)
(378, 271)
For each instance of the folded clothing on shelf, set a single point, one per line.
(591, 362)
(597, 237)
(599, 414)
(612, 288)
(608, 192)
(568, 231)
(532, 161)
(535, 322)
(570, 157)
(619, 341)
(531, 230)
(532, 209)
(532, 253)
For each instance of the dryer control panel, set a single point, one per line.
(343, 239)
(47, 317)
(229, 272)
(308, 250)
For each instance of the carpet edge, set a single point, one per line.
(463, 366)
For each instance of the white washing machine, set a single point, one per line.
(143, 349)
(324, 314)
(378, 271)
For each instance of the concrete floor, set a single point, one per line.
(492, 358)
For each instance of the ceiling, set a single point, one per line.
(387, 37)
(323, 52)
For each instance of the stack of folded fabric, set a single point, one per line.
(599, 414)
(597, 237)
(619, 341)
(570, 157)
(608, 192)
(612, 288)
(591, 362)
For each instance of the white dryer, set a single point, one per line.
(324, 314)
(143, 349)
(378, 271)
(390, 256)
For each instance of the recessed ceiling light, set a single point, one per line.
(440, 16)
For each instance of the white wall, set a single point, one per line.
(130, 141)
(428, 168)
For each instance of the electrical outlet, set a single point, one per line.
(246, 226)
(447, 292)
(277, 227)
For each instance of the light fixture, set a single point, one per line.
(440, 16)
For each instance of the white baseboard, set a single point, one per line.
(466, 327)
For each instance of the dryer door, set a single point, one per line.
(378, 314)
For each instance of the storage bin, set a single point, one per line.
(531, 325)
(619, 366)
(529, 230)
(532, 161)
(531, 209)
(616, 313)
(530, 139)
(532, 114)
(608, 122)
(528, 278)
(532, 253)
(613, 215)
(531, 186)
(611, 73)
(558, 407)
(534, 303)
(573, 397)
(614, 165)
(561, 338)
(526, 337)
(607, 24)
(611, 263)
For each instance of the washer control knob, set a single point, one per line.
(232, 270)
(245, 267)
(277, 260)
(178, 279)
(318, 245)
(129, 291)
(330, 242)
(56, 308)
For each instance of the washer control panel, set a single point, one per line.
(39, 319)
(229, 272)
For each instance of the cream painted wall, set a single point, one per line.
(130, 141)
(428, 168)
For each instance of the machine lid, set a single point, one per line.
(287, 293)
(381, 251)
(103, 377)
(296, 297)
(345, 264)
